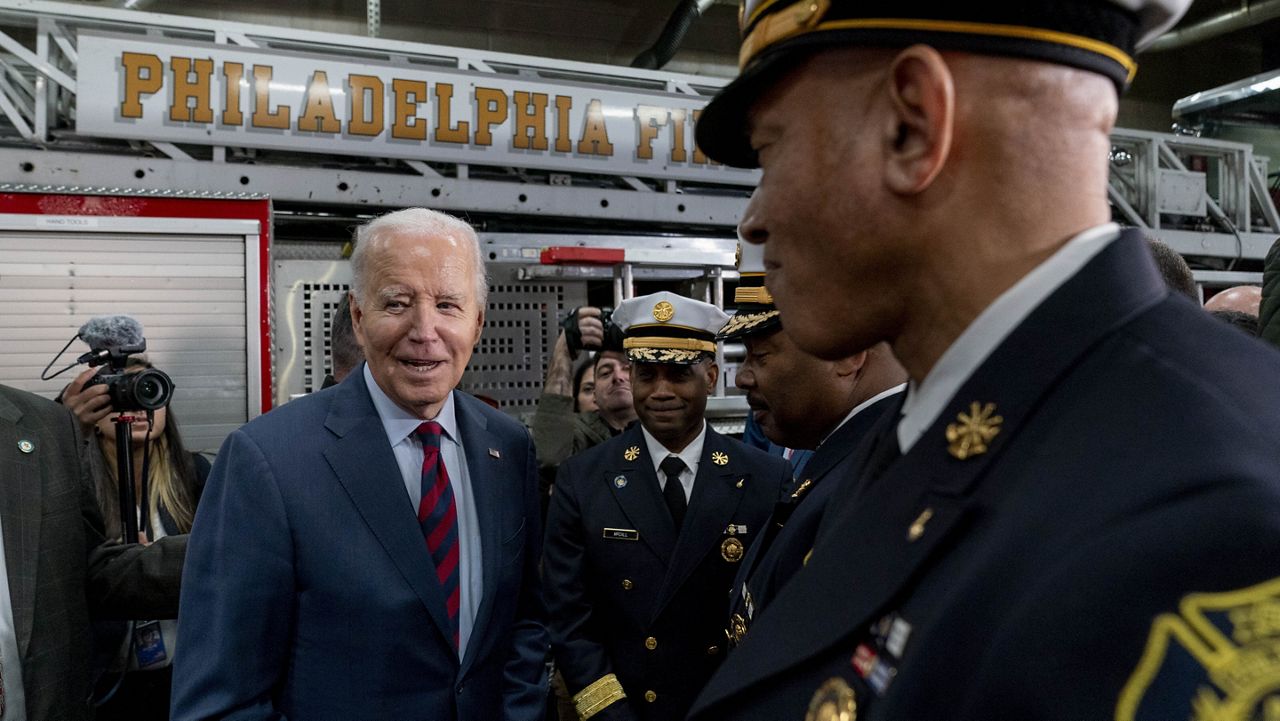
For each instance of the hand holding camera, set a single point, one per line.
(89, 403)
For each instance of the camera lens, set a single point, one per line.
(149, 390)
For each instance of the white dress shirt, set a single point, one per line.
(691, 455)
(15, 698)
(400, 425)
(928, 398)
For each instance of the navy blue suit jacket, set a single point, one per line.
(788, 537)
(309, 592)
(1111, 554)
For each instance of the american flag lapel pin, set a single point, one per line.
(494, 453)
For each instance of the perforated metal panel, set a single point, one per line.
(508, 365)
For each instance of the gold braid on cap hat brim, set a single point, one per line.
(745, 321)
(652, 349)
(806, 17)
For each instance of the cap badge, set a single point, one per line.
(720, 459)
(974, 432)
(664, 311)
(631, 453)
(620, 481)
(731, 549)
(26, 446)
(833, 701)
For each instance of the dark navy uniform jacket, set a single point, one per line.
(1113, 554)
(789, 535)
(628, 596)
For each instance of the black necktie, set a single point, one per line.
(673, 492)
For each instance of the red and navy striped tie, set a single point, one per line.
(438, 516)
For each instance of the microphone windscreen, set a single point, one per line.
(111, 331)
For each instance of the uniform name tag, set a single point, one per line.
(621, 534)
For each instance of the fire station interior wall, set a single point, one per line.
(187, 290)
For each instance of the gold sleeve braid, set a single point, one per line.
(599, 695)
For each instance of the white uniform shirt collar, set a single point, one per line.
(928, 398)
(863, 406)
(398, 423)
(691, 454)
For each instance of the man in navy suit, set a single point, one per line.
(370, 551)
(824, 408)
(647, 529)
(1074, 513)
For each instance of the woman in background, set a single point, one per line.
(140, 655)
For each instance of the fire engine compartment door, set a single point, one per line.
(184, 279)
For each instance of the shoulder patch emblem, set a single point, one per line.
(1217, 659)
(631, 453)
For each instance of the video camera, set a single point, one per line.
(111, 340)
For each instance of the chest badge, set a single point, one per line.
(620, 481)
(731, 549)
(974, 431)
(833, 701)
(26, 446)
(631, 453)
(720, 459)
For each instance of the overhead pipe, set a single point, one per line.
(1252, 13)
(664, 48)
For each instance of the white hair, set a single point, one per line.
(416, 221)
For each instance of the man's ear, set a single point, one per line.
(846, 367)
(713, 374)
(918, 134)
(357, 318)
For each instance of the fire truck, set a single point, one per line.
(205, 177)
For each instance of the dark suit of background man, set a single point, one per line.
(351, 560)
(799, 401)
(55, 568)
(646, 530)
(1077, 513)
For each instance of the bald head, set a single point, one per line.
(1244, 298)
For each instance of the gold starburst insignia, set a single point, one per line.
(974, 431)
(663, 312)
(719, 459)
(632, 453)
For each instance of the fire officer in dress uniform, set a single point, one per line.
(647, 530)
(803, 402)
(1074, 513)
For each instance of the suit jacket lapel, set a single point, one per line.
(635, 487)
(487, 475)
(367, 470)
(712, 504)
(848, 439)
(21, 508)
(858, 557)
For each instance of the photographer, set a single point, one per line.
(560, 426)
(174, 481)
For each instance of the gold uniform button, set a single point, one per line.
(650, 696)
(651, 643)
(627, 585)
(713, 650)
